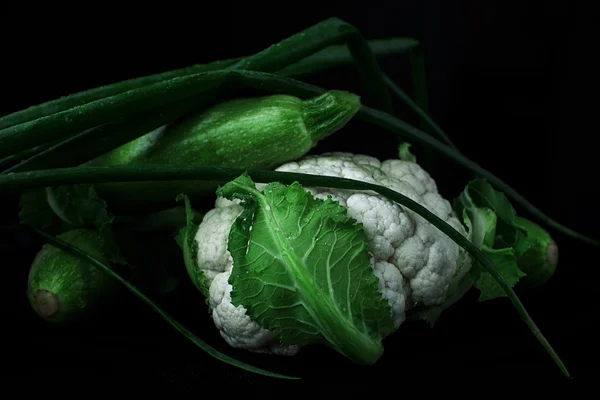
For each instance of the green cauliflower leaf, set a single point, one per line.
(302, 269)
(185, 240)
(64, 208)
(404, 152)
(491, 223)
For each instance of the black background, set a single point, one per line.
(507, 81)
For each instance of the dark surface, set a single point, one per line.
(506, 83)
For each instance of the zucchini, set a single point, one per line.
(540, 260)
(62, 287)
(255, 133)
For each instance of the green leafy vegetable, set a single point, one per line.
(494, 228)
(78, 205)
(404, 152)
(302, 269)
(185, 240)
(490, 221)
(505, 262)
(68, 207)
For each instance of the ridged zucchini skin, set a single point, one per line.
(254, 133)
(62, 287)
(539, 262)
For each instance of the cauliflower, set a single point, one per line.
(413, 261)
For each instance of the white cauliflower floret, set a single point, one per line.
(394, 288)
(421, 252)
(236, 327)
(213, 256)
(413, 260)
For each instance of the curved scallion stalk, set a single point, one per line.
(319, 36)
(419, 111)
(339, 56)
(275, 83)
(61, 244)
(413, 134)
(30, 180)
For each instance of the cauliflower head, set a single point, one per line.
(414, 261)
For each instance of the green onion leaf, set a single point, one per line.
(413, 134)
(317, 37)
(340, 56)
(419, 111)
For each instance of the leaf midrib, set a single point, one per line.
(299, 271)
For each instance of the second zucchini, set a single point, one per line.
(259, 132)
